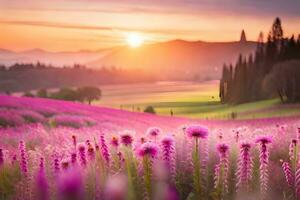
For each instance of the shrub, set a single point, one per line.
(10, 119)
(149, 109)
(71, 121)
(31, 116)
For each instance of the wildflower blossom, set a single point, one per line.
(23, 160)
(1, 157)
(196, 131)
(148, 151)
(288, 173)
(168, 151)
(82, 154)
(42, 187)
(244, 171)
(126, 138)
(264, 162)
(114, 142)
(70, 185)
(104, 149)
(153, 132)
(221, 170)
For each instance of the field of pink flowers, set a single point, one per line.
(61, 150)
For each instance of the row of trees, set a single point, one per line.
(81, 94)
(264, 74)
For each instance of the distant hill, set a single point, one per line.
(54, 58)
(178, 59)
(172, 60)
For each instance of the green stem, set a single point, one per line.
(147, 175)
(196, 163)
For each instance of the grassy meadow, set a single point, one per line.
(188, 99)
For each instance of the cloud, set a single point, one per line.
(89, 27)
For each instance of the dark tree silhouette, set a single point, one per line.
(263, 76)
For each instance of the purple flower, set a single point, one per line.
(65, 164)
(81, 152)
(74, 141)
(126, 138)
(244, 173)
(222, 149)
(114, 142)
(263, 140)
(221, 169)
(74, 158)
(56, 164)
(197, 131)
(1, 157)
(104, 149)
(42, 188)
(154, 132)
(288, 173)
(70, 185)
(23, 156)
(148, 149)
(168, 151)
(91, 153)
(264, 161)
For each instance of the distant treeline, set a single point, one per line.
(274, 70)
(81, 94)
(22, 77)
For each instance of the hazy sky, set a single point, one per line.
(59, 25)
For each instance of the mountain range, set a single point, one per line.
(176, 59)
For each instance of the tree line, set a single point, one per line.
(273, 70)
(81, 94)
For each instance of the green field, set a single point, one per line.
(188, 99)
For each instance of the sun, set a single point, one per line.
(134, 40)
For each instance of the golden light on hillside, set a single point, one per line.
(134, 40)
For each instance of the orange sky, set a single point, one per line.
(93, 24)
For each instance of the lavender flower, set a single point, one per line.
(70, 185)
(244, 171)
(288, 174)
(221, 170)
(264, 162)
(104, 150)
(74, 158)
(56, 164)
(82, 156)
(91, 153)
(65, 164)
(168, 151)
(148, 151)
(42, 188)
(1, 158)
(23, 160)
(196, 132)
(74, 141)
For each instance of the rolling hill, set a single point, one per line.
(172, 60)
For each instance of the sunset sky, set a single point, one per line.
(72, 25)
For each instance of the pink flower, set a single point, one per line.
(114, 142)
(244, 173)
(148, 149)
(197, 131)
(153, 131)
(126, 138)
(1, 157)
